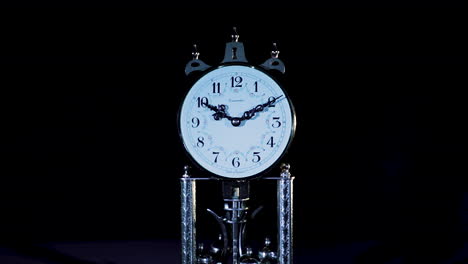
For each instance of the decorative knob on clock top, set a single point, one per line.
(236, 120)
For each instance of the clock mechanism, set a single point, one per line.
(236, 123)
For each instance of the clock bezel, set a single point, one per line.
(262, 172)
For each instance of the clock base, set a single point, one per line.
(232, 245)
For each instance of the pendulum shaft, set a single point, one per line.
(235, 199)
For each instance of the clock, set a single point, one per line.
(236, 121)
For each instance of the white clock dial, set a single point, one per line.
(251, 146)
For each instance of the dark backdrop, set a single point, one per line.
(89, 99)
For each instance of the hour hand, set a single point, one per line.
(211, 107)
(220, 111)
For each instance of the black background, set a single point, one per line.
(89, 100)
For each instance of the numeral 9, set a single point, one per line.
(195, 122)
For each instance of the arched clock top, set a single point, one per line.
(235, 54)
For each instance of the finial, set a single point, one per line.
(195, 64)
(235, 35)
(195, 52)
(275, 51)
(285, 170)
(265, 253)
(274, 63)
(248, 251)
(186, 169)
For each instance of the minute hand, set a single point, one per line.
(259, 108)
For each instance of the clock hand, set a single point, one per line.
(259, 108)
(220, 111)
(211, 107)
(236, 121)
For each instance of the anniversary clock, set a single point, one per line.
(236, 122)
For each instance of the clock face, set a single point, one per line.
(230, 149)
